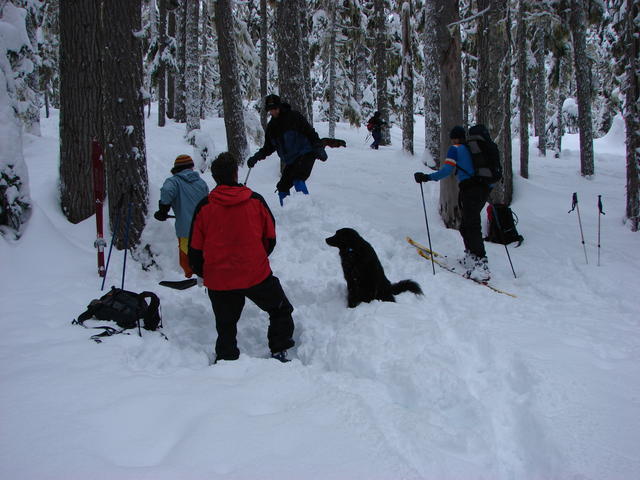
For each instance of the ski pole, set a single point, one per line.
(126, 241)
(600, 213)
(495, 217)
(247, 177)
(424, 207)
(113, 236)
(574, 206)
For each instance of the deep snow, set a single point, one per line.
(462, 383)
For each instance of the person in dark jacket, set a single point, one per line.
(182, 192)
(297, 143)
(232, 234)
(472, 197)
(374, 125)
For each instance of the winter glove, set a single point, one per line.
(163, 212)
(251, 162)
(321, 154)
(421, 177)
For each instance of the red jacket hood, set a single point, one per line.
(228, 195)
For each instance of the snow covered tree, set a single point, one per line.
(431, 84)
(171, 73)
(179, 97)
(15, 204)
(264, 26)
(192, 66)
(380, 62)
(494, 85)
(407, 79)
(331, 90)
(124, 134)
(231, 94)
(288, 34)
(448, 44)
(523, 90)
(80, 104)
(48, 48)
(582, 62)
(540, 86)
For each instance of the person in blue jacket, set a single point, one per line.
(474, 193)
(182, 192)
(297, 143)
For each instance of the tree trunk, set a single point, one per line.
(407, 80)
(632, 114)
(123, 108)
(494, 86)
(582, 63)
(80, 97)
(192, 67)
(180, 112)
(289, 44)
(431, 84)
(523, 90)
(264, 25)
(305, 27)
(450, 99)
(229, 80)
(171, 74)
(380, 61)
(540, 95)
(331, 91)
(162, 43)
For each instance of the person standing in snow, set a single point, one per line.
(473, 195)
(297, 143)
(374, 125)
(182, 192)
(232, 235)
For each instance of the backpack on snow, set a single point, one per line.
(484, 155)
(502, 225)
(125, 308)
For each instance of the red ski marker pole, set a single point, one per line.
(97, 163)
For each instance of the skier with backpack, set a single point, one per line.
(476, 164)
(374, 125)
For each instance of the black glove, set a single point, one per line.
(321, 154)
(251, 161)
(163, 212)
(421, 177)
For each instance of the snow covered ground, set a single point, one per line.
(462, 383)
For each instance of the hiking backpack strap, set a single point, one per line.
(152, 317)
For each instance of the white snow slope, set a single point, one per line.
(462, 383)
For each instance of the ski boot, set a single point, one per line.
(282, 196)
(300, 186)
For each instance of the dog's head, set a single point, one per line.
(345, 238)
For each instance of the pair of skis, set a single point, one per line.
(440, 260)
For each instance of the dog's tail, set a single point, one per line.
(406, 286)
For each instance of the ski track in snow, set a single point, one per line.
(459, 383)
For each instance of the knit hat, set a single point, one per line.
(458, 132)
(271, 102)
(182, 162)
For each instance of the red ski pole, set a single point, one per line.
(97, 163)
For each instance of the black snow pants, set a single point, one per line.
(472, 197)
(300, 169)
(269, 297)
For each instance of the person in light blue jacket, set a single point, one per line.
(182, 192)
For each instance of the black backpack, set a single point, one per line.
(502, 225)
(126, 309)
(484, 155)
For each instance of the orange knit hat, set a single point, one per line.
(182, 162)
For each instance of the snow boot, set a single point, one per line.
(300, 186)
(282, 196)
(468, 261)
(281, 356)
(479, 270)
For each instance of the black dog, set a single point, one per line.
(363, 272)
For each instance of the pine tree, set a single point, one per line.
(124, 134)
(582, 64)
(179, 105)
(264, 26)
(80, 104)
(407, 79)
(192, 67)
(431, 84)
(231, 94)
(523, 90)
(380, 61)
(288, 33)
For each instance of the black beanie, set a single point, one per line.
(272, 101)
(458, 132)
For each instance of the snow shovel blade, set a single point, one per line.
(180, 284)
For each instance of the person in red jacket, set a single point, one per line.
(232, 234)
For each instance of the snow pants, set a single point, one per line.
(472, 197)
(298, 170)
(269, 297)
